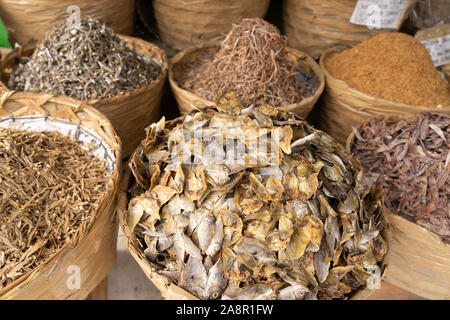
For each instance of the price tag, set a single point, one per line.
(439, 49)
(380, 14)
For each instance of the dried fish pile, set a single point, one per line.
(224, 217)
(411, 159)
(50, 190)
(89, 62)
(252, 62)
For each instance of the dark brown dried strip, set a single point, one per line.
(50, 190)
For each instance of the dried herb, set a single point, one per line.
(50, 190)
(85, 63)
(411, 159)
(252, 62)
(224, 217)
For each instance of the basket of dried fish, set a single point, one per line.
(410, 157)
(31, 19)
(391, 74)
(121, 76)
(252, 61)
(237, 202)
(183, 23)
(60, 164)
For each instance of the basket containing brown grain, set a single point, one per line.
(396, 78)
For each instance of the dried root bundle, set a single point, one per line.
(89, 62)
(411, 159)
(253, 203)
(252, 62)
(50, 190)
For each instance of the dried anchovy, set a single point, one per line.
(50, 190)
(253, 55)
(295, 221)
(89, 62)
(411, 159)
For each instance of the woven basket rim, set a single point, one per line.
(178, 58)
(109, 136)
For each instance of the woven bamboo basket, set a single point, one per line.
(129, 113)
(167, 288)
(31, 19)
(313, 26)
(183, 23)
(343, 107)
(419, 261)
(186, 100)
(93, 247)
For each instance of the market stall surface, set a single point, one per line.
(126, 280)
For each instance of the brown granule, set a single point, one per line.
(392, 66)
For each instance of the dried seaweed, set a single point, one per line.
(252, 62)
(411, 159)
(50, 191)
(89, 62)
(253, 203)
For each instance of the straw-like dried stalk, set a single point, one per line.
(51, 190)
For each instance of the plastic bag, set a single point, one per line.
(429, 13)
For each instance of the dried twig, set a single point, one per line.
(411, 159)
(86, 63)
(50, 190)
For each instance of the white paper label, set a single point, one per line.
(380, 14)
(439, 49)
